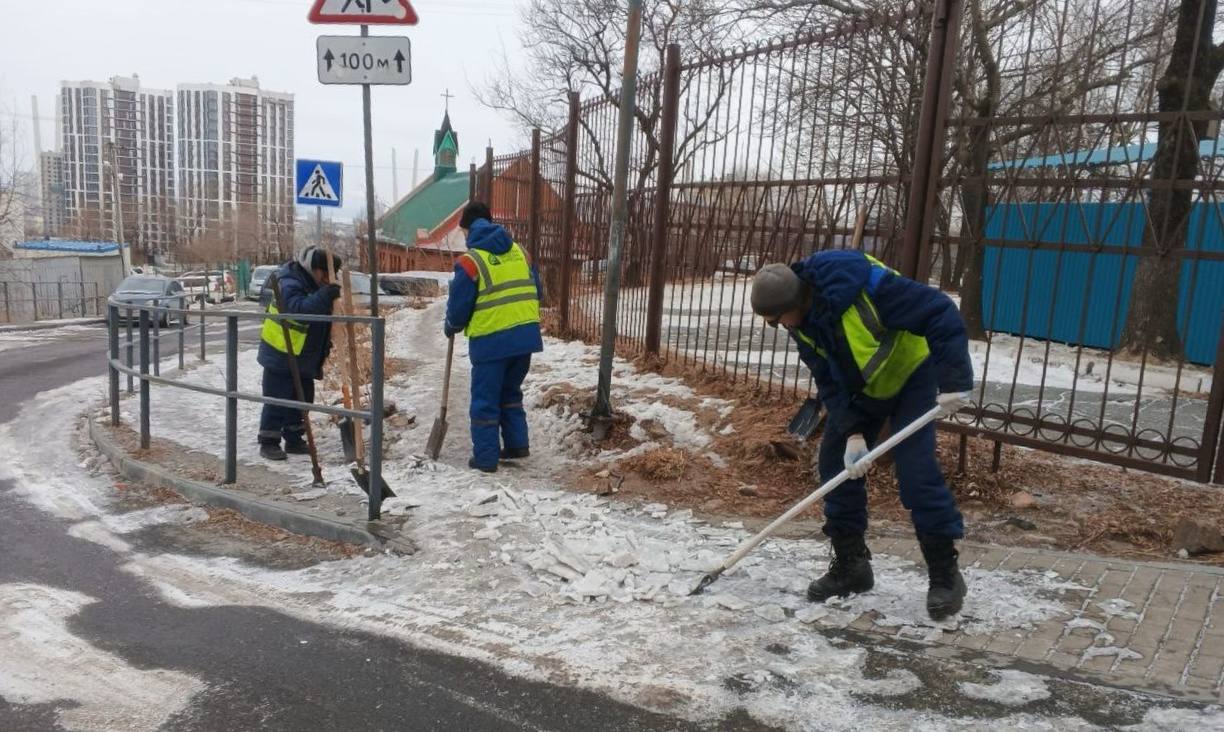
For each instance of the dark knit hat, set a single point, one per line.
(776, 290)
(473, 212)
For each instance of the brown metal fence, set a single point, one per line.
(1032, 159)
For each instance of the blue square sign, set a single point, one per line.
(320, 183)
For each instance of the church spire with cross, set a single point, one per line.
(446, 142)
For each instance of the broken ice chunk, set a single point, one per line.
(772, 613)
(730, 602)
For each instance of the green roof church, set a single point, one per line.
(428, 217)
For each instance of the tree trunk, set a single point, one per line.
(974, 199)
(1194, 65)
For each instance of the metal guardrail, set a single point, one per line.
(70, 299)
(148, 318)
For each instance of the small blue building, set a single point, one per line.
(1080, 296)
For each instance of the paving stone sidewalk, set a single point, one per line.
(1140, 625)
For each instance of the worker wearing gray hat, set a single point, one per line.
(880, 347)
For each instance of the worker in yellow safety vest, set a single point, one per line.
(880, 347)
(305, 288)
(495, 301)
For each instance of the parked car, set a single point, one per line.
(151, 290)
(215, 286)
(746, 264)
(259, 277)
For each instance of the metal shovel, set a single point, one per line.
(821, 492)
(438, 433)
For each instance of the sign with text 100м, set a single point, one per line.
(364, 60)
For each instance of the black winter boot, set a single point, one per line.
(300, 447)
(849, 572)
(515, 453)
(946, 593)
(271, 451)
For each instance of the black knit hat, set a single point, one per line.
(473, 211)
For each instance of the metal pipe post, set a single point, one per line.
(658, 244)
(34, 299)
(377, 332)
(182, 331)
(144, 383)
(8, 315)
(371, 223)
(97, 300)
(569, 208)
(157, 344)
(131, 361)
(59, 298)
(203, 334)
(231, 402)
(319, 226)
(112, 340)
(602, 413)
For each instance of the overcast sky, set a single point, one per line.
(168, 42)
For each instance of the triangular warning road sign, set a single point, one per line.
(318, 187)
(363, 12)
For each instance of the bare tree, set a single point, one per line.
(577, 46)
(11, 212)
(1193, 67)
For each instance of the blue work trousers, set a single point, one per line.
(274, 421)
(924, 493)
(497, 414)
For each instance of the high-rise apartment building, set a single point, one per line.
(54, 200)
(117, 143)
(235, 166)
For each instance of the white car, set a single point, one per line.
(214, 286)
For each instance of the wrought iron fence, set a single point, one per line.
(1032, 159)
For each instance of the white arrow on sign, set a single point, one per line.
(370, 60)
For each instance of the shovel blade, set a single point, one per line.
(362, 477)
(805, 422)
(436, 435)
(347, 441)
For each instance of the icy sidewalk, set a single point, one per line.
(558, 585)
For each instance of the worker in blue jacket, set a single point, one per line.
(495, 301)
(880, 347)
(305, 288)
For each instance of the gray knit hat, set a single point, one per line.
(776, 290)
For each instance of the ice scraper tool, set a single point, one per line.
(816, 495)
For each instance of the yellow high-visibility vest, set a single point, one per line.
(885, 358)
(274, 335)
(506, 295)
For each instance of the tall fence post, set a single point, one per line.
(569, 208)
(59, 299)
(928, 148)
(231, 401)
(472, 176)
(377, 334)
(112, 340)
(84, 308)
(144, 382)
(662, 207)
(8, 314)
(486, 192)
(97, 300)
(182, 331)
(34, 299)
(533, 218)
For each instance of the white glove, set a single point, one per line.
(950, 403)
(856, 450)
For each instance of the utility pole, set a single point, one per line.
(394, 177)
(116, 209)
(601, 415)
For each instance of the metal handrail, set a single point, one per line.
(231, 393)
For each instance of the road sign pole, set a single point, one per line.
(319, 226)
(371, 238)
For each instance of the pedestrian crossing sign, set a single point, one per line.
(319, 183)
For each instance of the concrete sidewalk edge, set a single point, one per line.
(49, 324)
(257, 509)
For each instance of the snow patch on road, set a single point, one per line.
(1012, 688)
(42, 662)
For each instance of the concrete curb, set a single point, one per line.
(362, 533)
(49, 324)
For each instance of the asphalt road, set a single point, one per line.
(262, 669)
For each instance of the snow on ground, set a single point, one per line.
(11, 339)
(103, 691)
(543, 583)
(1013, 688)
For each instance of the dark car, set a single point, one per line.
(150, 290)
